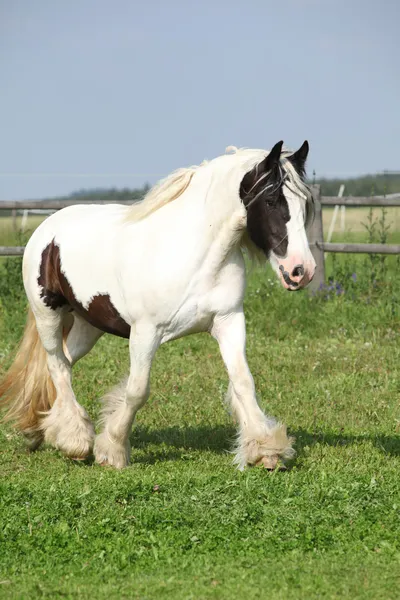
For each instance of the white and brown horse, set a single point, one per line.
(152, 272)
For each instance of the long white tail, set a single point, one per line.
(27, 389)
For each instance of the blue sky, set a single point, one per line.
(101, 93)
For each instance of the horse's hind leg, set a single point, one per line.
(80, 339)
(67, 425)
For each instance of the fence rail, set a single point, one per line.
(12, 250)
(316, 236)
(52, 204)
(360, 248)
(392, 200)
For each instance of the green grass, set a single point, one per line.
(181, 522)
(9, 237)
(357, 218)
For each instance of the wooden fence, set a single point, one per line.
(315, 236)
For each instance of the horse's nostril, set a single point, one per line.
(298, 271)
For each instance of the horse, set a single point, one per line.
(166, 267)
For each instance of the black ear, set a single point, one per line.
(251, 182)
(271, 161)
(298, 159)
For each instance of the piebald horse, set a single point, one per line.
(157, 270)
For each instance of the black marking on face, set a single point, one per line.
(266, 224)
(261, 191)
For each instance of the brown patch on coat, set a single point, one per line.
(57, 292)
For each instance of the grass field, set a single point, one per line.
(357, 218)
(8, 237)
(181, 522)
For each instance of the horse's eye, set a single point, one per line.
(270, 204)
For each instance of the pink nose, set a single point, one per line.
(296, 271)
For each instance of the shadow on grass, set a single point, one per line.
(203, 437)
(177, 441)
(388, 444)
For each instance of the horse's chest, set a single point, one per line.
(196, 312)
(191, 317)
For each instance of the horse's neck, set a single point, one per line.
(221, 219)
(200, 217)
(217, 195)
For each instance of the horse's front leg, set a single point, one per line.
(261, 439)
(112, 445)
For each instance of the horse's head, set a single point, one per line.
(279, 206)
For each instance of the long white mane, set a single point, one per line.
(175, 184)
(165, 191)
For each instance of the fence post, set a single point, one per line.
(315, 236)
(14, 220)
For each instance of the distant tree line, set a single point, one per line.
(366, 185)
(109, 193)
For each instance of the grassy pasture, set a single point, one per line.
(181, 522)
(8, 237)
(357, 218)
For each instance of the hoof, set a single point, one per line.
(70, 431)
(114, 461)
(267, 449)
(110, 453)
(34, 440)
(271, 463)
(76, 448)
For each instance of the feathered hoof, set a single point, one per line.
(268, 450)
(110, 453)
(71, 432)
(77, 447)
(34, 439)
(272, 463)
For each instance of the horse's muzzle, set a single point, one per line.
(297, 277)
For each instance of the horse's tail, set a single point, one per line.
(27, 389)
